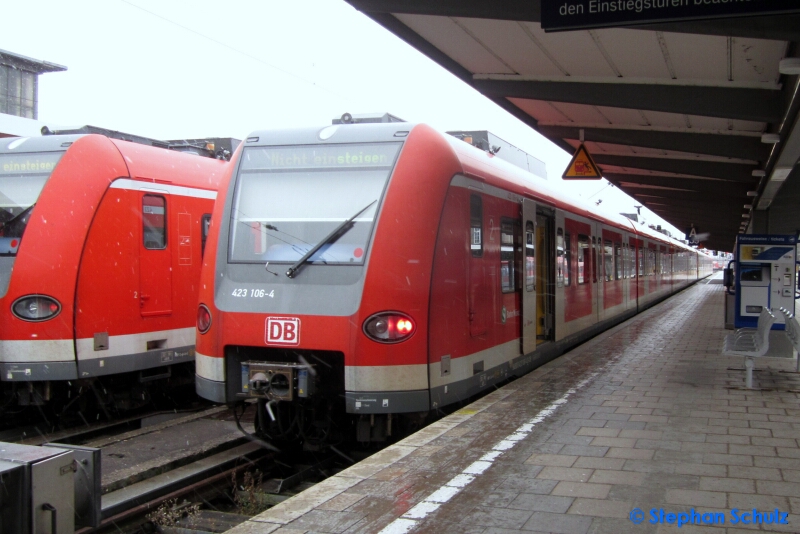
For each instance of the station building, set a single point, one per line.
(19, 93)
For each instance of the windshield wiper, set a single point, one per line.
(338, 231)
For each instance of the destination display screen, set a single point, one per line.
(377, 155)
(29, 163)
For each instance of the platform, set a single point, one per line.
(643, 421)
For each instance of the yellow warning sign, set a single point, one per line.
(582, 167)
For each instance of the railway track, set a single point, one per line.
(190, 471)
(194, 470)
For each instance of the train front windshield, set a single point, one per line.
(22, 178)
(290, 199)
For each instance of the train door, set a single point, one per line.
(545, 277)
(529, 302)
(155, 257)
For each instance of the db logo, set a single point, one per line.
(283, 330)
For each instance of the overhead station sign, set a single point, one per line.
(559, 15)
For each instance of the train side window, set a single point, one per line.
(583, 246)
(476, 225)
(508, 273)
(567, 259)
(595, 265)
(644, 262)
(530, 258)
(628, 259)
(608, 259)
(205, 224)
(631, 260)
(618, 260)
(640, 257)
(154, 222)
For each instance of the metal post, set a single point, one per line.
(748, 377)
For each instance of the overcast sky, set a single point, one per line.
(168, 69)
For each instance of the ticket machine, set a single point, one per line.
(764, 276)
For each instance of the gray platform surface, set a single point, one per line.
(646, 416)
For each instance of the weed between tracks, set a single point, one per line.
(248, 497)
(170, 513)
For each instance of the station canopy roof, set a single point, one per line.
(674, 113)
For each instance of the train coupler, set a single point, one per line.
(277, 381)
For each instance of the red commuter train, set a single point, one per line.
(387, 270)
(100, 251)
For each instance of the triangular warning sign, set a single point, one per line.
(582, 167)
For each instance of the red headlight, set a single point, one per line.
(203, 319)
(389, 327)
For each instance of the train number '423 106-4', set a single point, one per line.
(253, 293)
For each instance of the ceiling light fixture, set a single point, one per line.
(748, 206)
(779, 174)
(758, 173)
(789, 65)
(770, 138)
(752, 193)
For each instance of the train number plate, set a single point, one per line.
(283, 331)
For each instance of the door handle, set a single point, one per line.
(53, 517)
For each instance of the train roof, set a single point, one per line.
(474, 158)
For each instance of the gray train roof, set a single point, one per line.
(336, 133)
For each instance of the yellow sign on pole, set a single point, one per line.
(582, 167)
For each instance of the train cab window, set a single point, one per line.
(567, 259)
(508, 272)
(154, 222)
(530, 257)
(608, 260)
(476, 225)
(618, 260)
(583, 253)
(314, 190)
